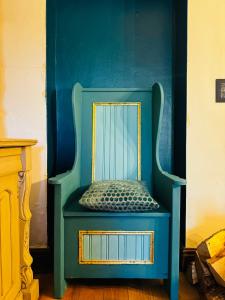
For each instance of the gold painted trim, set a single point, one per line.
(93, 140)
(139, 141)
(115, 262)
(138, 104)
(116, 103)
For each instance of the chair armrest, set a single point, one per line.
(166, 186)
(64, 185)
(172, 179)
(60, 178)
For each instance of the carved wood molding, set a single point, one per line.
(24, 183)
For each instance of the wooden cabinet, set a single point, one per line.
(16, 276)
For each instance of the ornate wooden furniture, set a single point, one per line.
(117, 137)
(16, 276)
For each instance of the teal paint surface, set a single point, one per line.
(109, 43)
(69, 220)
(159, 225)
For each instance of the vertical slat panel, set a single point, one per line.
(6, 243)
(90, 246)
(115, 139)
(146, 247)
(96, 247)
(130, 255)
(86, 246)
(132, 143)
(112, 144)
(100, 133)
(119, 142)
(121, 247)
(116, 142)
(138, 247)
(125, 246)
(107, 246)
(127, 143)
(113, 247)
(107, 143)
(125, 139)
(142, 247)
(103, 247)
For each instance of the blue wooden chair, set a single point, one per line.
(117, 137)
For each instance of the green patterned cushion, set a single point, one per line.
(118, 195)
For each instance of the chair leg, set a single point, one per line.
(59, 285)
(59, 280)
(59, 277)
(174, 287)
(174, 246)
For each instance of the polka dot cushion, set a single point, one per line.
(118, 195)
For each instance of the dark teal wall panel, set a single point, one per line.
(65, 131)
(51, 91)
(111, 43)
(51, 112)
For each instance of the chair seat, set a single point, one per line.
(94, 240)
(73, 208)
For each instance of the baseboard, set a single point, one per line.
(42, 260)
(187, 255)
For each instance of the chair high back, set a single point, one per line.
(114, 134)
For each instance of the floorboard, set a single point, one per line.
(116, 289)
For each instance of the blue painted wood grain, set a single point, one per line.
(116, 247)
(116, 142)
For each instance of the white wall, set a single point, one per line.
(205, 120)
(22, 93)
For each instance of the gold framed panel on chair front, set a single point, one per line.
(89, 233)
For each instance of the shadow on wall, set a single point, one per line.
(37, 203)
(2, 79)
(203, 231)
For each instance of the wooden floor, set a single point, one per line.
(116, 290)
